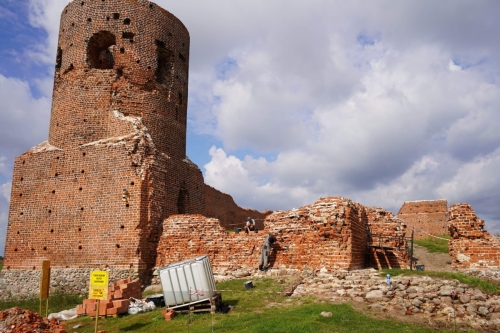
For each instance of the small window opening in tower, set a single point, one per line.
(59, 59)
(181, 56)
(126, 21)
(181, 100)
(116, 16)
(183, 201)
(128, 35)
(165, 67)
(99, 51)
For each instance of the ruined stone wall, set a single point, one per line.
(387, 239)
(429, 216)
(222, 207)
(470, 245)
(330, 233)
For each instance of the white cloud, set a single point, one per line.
(5, 190)
(379, 101)
(25, 119)
(4, 213)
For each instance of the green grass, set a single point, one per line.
(483, 285)
(57, 303)
(434, 245)
(261, 309)
(1, 264)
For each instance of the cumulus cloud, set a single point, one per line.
(25, 119)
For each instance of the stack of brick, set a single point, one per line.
(117, 302)
(386, 238)
(470, 245)
(331, 233)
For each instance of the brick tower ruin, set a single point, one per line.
(114, 167)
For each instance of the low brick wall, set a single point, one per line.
(331, 233)
(470, 245)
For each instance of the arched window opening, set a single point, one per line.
(99, 51)
(183, 201)
(58, 58)
(165, 68)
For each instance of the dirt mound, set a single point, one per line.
(17, 320)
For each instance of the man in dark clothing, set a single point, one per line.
(266, 250)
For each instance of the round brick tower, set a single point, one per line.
(117, 59)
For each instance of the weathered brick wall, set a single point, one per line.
(66, 206)
(387, 237)
(430, 216)
(470, 245)
(131, 56)
(331, 233)
(222, 207)
(118, 121)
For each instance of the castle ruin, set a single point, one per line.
(112, 187)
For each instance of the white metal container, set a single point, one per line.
(189, 281)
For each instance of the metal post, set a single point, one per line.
(411, 250)
(97, 314)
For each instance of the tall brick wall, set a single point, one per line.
(222, 207)
(470, 245)
(331, 233)
(429, 216)
(131, 56)
(387, 239)
(118, 121)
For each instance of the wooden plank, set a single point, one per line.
(45, 279)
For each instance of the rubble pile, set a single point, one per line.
(17, 320)
(432, 299)
(117, 302)
(471, 247)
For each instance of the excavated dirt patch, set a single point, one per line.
(432, 261)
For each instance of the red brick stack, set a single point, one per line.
(117, 302)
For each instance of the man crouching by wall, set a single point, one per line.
(266, 250)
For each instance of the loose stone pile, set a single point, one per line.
(431, 299)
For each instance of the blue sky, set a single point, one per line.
(380, 101)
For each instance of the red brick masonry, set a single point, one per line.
(429, 216)
(331, 233)
(470, 245)
(114, 166)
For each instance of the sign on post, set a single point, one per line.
(98, 285)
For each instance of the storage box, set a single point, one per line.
(420, 267)
(189, 281)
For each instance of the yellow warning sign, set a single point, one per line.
(98, 285)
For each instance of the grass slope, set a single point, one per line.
(261, 309)
(434, 245)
